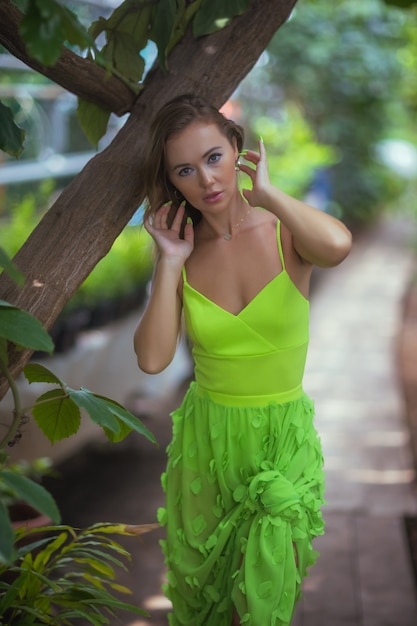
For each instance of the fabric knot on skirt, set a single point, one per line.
(271, 493)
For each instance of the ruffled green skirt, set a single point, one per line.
(244, 488)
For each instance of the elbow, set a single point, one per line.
(150, 367)
(343, 246)
(339, 249)
(153, 363)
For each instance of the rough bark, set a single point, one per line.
(81, 226)
(81, 76)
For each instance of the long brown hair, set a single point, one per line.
(173, 118)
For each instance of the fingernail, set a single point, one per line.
(261, 138)
(243, 153)
(167, 204)
(183, 203)
(189, 220)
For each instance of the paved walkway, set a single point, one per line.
(363, 577)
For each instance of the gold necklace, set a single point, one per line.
(228, 236)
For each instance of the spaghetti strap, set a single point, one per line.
(184, 274)
(281, 253)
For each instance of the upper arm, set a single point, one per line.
(298, 269)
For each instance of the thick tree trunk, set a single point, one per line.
(81, 226)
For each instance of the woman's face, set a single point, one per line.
(200, 163)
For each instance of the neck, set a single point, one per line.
(226, 224)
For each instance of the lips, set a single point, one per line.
(213, 197)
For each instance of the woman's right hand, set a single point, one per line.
(168, 238)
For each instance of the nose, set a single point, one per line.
(206, 177)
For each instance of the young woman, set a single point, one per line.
(244, 481)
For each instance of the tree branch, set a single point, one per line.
(81, 226)
(80, 76)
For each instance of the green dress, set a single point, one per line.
(244, 482)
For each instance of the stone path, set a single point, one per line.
(364, 575)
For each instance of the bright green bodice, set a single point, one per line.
(254, 357)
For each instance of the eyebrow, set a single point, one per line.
(204, 156)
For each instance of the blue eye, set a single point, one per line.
(213, 158)
(185, 171)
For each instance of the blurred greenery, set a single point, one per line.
(294, 155)
(124, 270)
(336, 80)
(351, 71)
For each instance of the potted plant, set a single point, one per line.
(55, 574)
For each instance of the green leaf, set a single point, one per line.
(96, 408)
(5, 262)
(46, 25)
(6, 536)
(11, 138)
(113, 437)
(36, 373)
(131, 18)
(98, 565)
(74, 31)
(42, 30)
(123, 55)
(34, 494)
(23, 329)
(42, 557)
(97, 27)
(130, 420)
(214, 15)
(86, 552)
(93, 120)
(162, 28)
(56, 415)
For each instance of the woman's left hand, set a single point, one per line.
(258, 175)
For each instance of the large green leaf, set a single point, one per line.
(11, 136)
(56, 415)
(34, 494)
(5, 262)
(93, 120)
(22, 329)
(74, 31)
(122, 53)
(127, 418)
(41, 29)
(132, 17)
(36, 373)
(46, 25)
(214, 15)
(6, 535)
(162, 28)
(96, 408)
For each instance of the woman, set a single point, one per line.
(244, 481)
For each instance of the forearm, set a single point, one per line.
(156, 336)
(318, 238)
